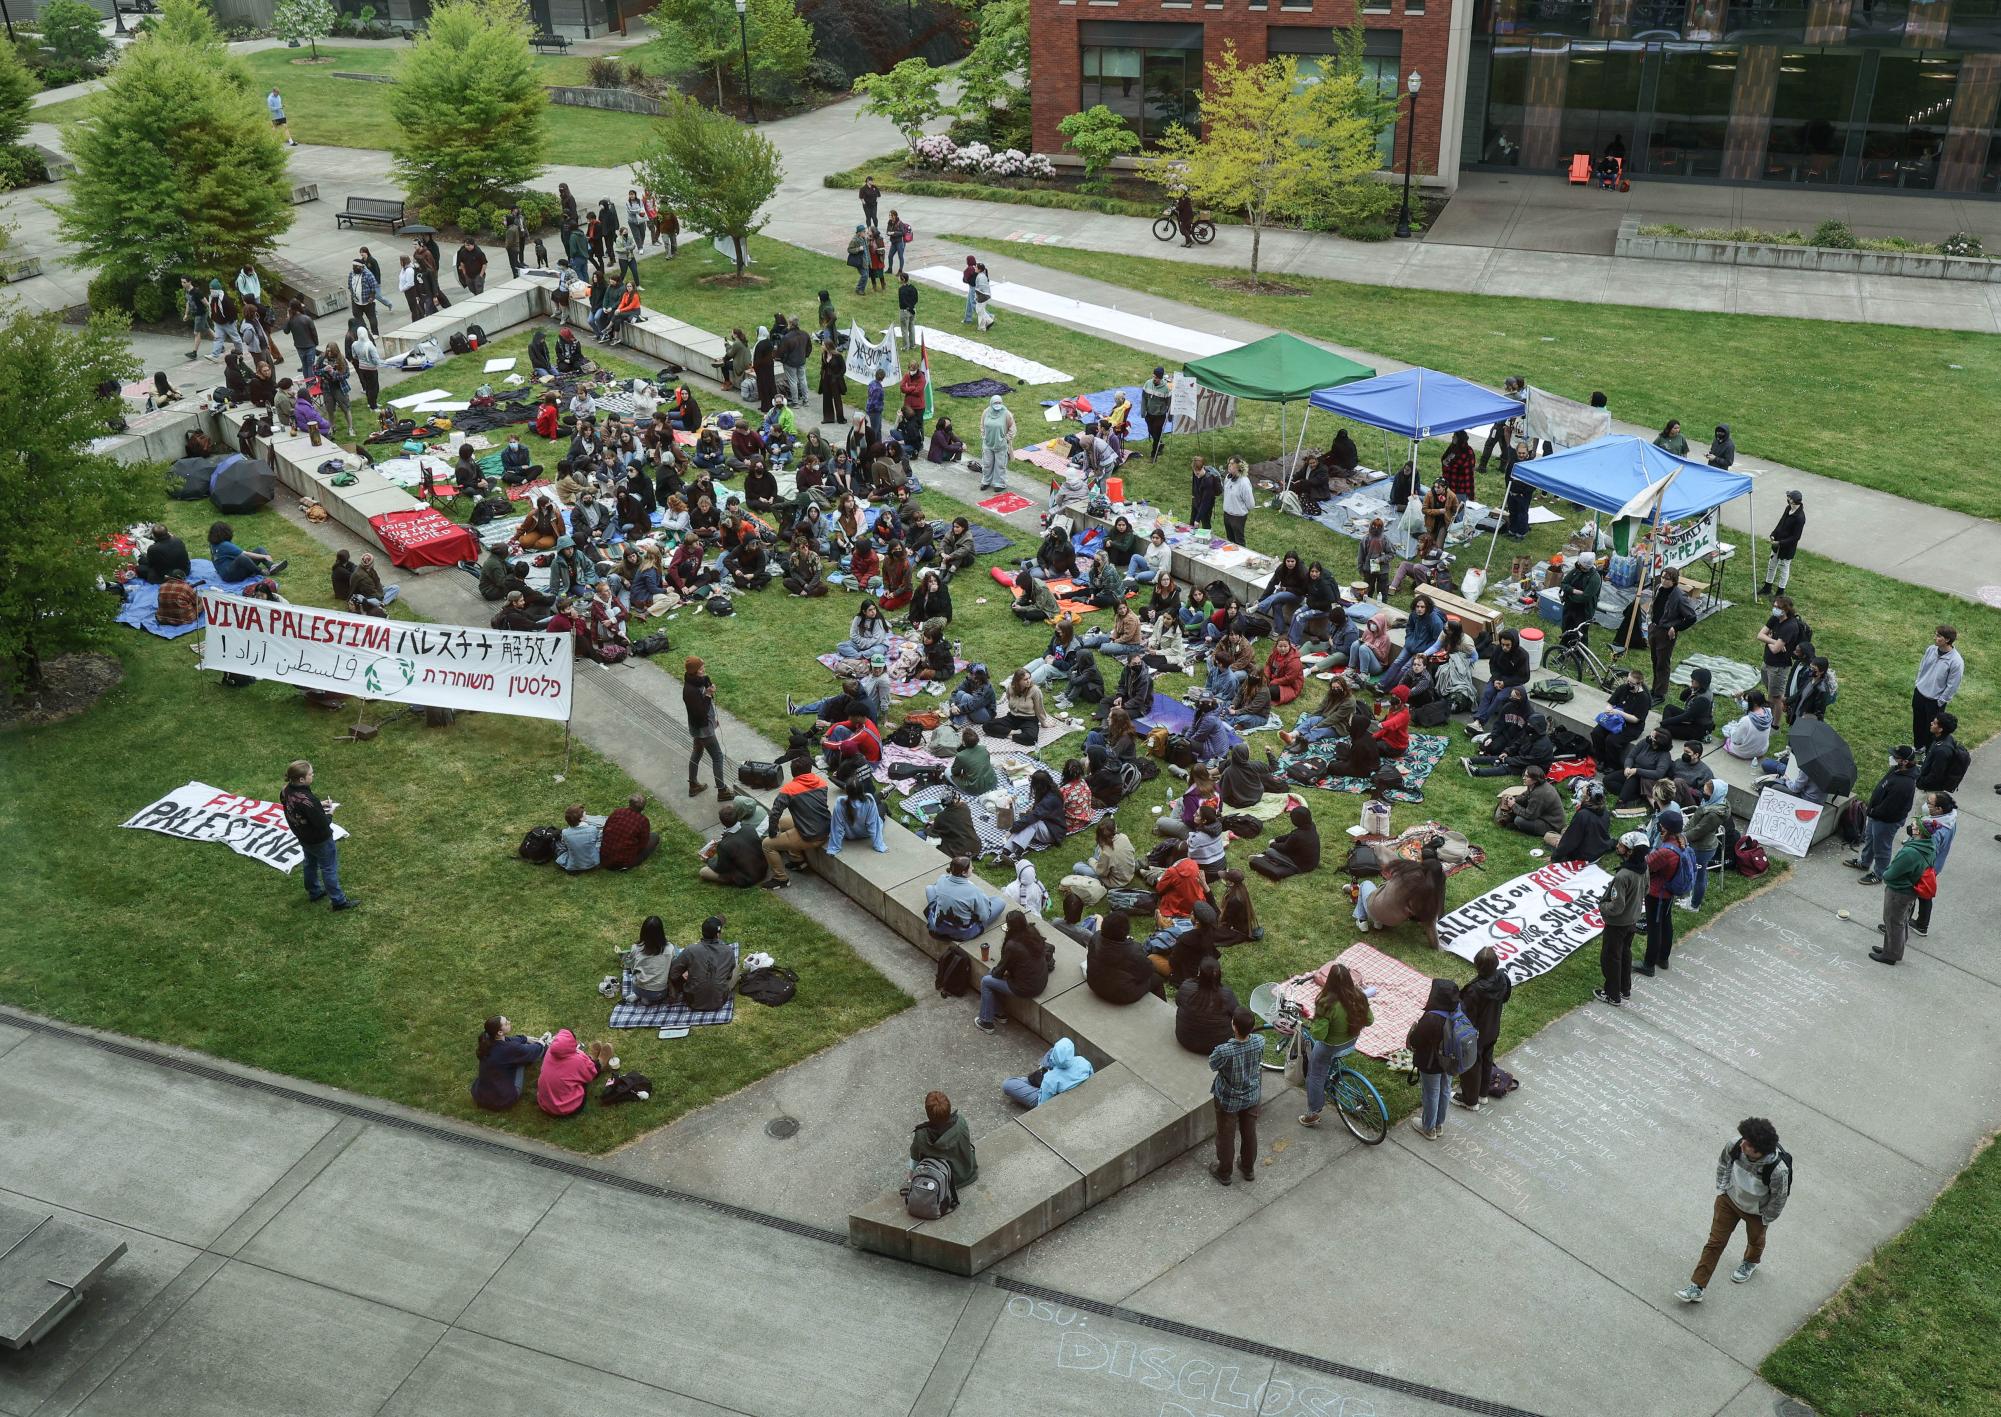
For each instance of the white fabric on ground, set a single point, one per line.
(1116, 324)
(987, 357)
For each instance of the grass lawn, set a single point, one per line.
(193, 945)
(1913, 1331)
(353, 113)
(1876, 405)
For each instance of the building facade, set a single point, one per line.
(1144, 60)
(1877, 95)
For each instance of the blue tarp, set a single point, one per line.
(1105, 400)
(1607, 473)
(141, 609)
(1417, 403)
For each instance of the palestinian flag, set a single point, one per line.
(924, 363)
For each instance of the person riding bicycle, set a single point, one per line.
(1184, 218)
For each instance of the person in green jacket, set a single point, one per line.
(972, 770)
(1579, 591)
(1619, 906)
(943, 1134)
(1900, 890)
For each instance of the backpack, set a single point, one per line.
(491, 509)
(757, 773)
(1459, 1046)
(1553, 691)
(1961, 761)
(1569, 744)
(457, 344)
(475, 337)
(655, 643)
(539, 846)
(1435, 714)
(1684, 872)
(772, 985)
(1750, 859)
(928, 1194)
(626, 1087)
(1770, 1165)
(906, 735)
(1854, 812)
(954, 975)
(1926, 886)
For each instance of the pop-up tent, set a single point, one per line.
(1280, 369)
(1416, 404)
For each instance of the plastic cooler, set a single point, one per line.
(1550, 606)
(1533, 643)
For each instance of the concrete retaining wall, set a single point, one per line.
(1801, 258)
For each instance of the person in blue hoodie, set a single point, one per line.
(857, 818)
(1061, 1070)
(503, 1064)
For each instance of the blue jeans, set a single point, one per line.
(1437, 1089)
(1319, 1063)
(894, 262)
(1879, 843)
(1363, 660)
(992, 990)
(1277, 602)
(1490, 700)
(971, 708)
(861, 278)
(1021, 1090)
(972, 307)
(1142, 570)
(1702, 860)
(1309, 730)
(813, 707)
(322, 871)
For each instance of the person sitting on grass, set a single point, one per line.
(628, 838)
(503, 1064)
(1588, 837)
(564, 1084)
(703, 976)
(1061, 1070)
(579, 848)
(649, 962)
(1537, 810)
(232, 563)
(365, 592)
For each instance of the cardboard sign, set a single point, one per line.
(1783, 822)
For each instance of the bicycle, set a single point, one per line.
(1575, 659)
(1165, 228)
(1354, 1096)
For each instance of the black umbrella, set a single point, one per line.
(1822, 756)
(416, 230)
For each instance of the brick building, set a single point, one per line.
(1144, 60)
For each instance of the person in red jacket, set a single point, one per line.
(548, 417)
(1394, 731)
(564, 1083)
(1284, 672)
(1662, 863)
(1177, 888)
(854, 741)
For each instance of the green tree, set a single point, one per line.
(471, 109)
(303, 19)
(781, 48)
(70, 33)
(177, 169)
(701, 36)
(60, 497)
(1097, 135)
(715, 172)
(188, 22)
(17, 95)
(907, 96)
(994, 73)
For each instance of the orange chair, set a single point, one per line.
(1580, 169)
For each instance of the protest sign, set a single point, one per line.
(425, 537)
(1194, 409)
(1783, 822)
(1681, 543)
(1533, 922)
(246, 825)
(866, 356)
(521, 672)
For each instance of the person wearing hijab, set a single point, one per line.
(1722, 451)
(1295, 853)
(1785, 542)
(996, 444)
(1341, 453)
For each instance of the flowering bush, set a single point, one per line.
(1961, 243)
(940, 154)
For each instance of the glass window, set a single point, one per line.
(1692, 111)
(1908, 116)
(1812, 98)
(1149, 88)
(1554, 17)
(1382, 58)
(1507, 95)
(1976, 24)
(1748, 21)
(1601, 98)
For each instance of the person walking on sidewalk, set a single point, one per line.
(1889, 804)
(698, 698)
(1620, 905)
(1236, 1091)
(312, 824)
(276, 103)
(1154, 395)
(1900, 889)
(1754, 1178)
(1939, 673)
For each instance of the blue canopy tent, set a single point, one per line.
(1417, 403)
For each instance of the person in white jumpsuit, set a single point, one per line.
(996, 444)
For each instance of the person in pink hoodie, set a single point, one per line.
(565, 1079)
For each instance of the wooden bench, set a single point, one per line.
(547, 43)
(371, 211)
(46, 1264)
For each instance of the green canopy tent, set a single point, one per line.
(1278, 369)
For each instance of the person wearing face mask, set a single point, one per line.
(1780, 635)
(517, 464)
(1785, 543)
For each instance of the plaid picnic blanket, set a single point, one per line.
(923, 805)
(630, 1013)
(1417, 765)
(1397, 1004)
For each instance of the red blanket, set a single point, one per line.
(424, 538)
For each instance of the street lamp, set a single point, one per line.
(117, 20)
(743, 35)
(1409, 156)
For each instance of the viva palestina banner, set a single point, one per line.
(1533, 922)
(521, 672)
(246, 825)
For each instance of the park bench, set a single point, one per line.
(371, 211)
(550, 43)
(45, 1266)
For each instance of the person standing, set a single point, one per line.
(858, 258)
(1236, 1092)
(1670, 615)
(870, 195)
(906, 309)
(1785, 543)
(874, 405)
(833, 384)
(897, 234)
(1664, 863)
(471, 267)
(1889, 804)
(1754, 1179)
(1620, 905)
(1670, 439)
(1943, 814)
(309, 818)
(1722, 448)
(1238, 499)
(996, 444)
(1483, 998)
(698, 698)
(1939, 673)
(1900, 889)
(366, 356)
(1426, 1041)
(1154, 396)
(362, 293)
(514, 237)
(276, 103)
(1578, 594)
(635, 218)
(969, 277)
(305, 338)
(1204, 487)
(1780, 635)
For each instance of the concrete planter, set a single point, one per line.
(1801, 258)
(21, 269)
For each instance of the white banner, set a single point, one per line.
(1681, 543)
(1783, 822)
(1194, 409)
(1534, 921)
(1551, 418)
(526, 673)
(246, 825)
(866, 356)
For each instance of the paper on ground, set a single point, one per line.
(500, 366)
(409, 399)
(987, 357)
(444, 406)
(1102, 319)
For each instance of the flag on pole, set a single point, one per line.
(924, 363)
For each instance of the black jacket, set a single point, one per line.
(1119, 972)
(953, 830)
(1202, 1017)
(306, 815)
(1786, 535)
(1025, 965)
(1587, 837)
(1891, 801)
(1482, 1000)
(739, 859)
(906, 297)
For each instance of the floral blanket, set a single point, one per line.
(1425, 753)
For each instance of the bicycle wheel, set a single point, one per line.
(1204, 232)
(1361, 1106)
(1164, 229)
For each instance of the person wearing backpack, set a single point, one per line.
(1482, 998)
(944, 1136)
(1443, 1044)
(1022, 971)
(1902, 881)
(1945, 761)
(703, 975)
(1670, 872)
(1619, 906)
(1754, 1179)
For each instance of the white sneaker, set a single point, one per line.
(1689, 1294)
(1742, 1274)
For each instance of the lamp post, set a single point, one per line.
(586, 7)
(1409, 155)
(117, 21)
(743, 36)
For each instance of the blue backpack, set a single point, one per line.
(1459, 1046)
(1684, 873)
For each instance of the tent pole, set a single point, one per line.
(1750, 540)
(1298, 449)
(1491, 544)
(1640, 589)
